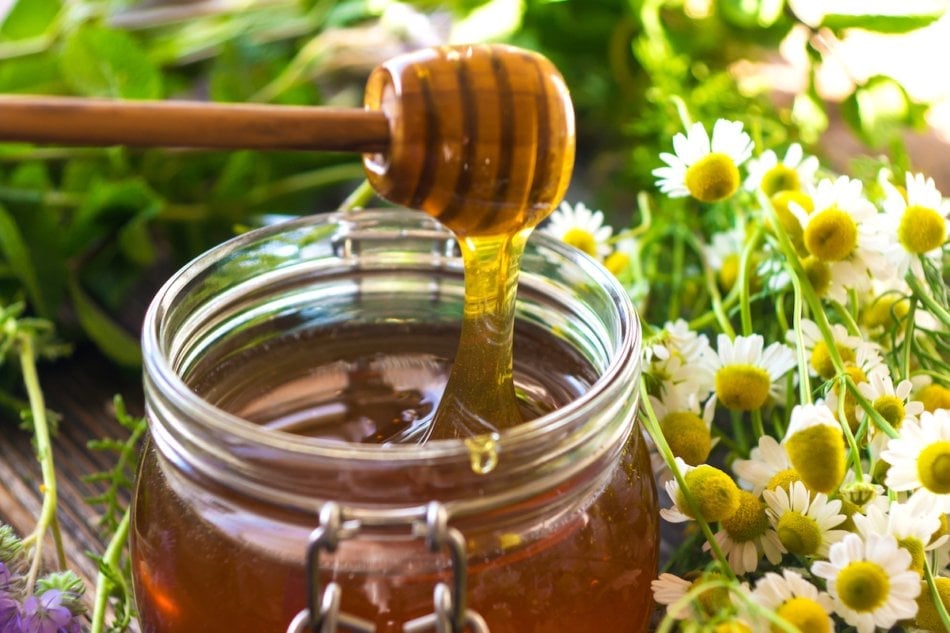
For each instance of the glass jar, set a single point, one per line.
(280, 368)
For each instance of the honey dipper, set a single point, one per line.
(482, 122)
(481, 137)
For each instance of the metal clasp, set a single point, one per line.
(449, 615)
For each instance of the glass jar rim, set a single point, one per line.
(160, 371)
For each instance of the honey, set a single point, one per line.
(293, 366)
(199, 571)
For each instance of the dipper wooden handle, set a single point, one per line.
(77, 121)
(481, 137)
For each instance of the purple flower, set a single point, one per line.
(5, 577)
(10, 620)
(46, 614)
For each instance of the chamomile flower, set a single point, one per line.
(669, 589)
(706, 169)
(805, 523)
(676, 357)
(869, 581)
(748, 534)
(796, 600)
(767, 467)
(841, 234)
(892, 403)
(624, 252)
(932, 395)
(917, 225)
(819, 356)
(795, 172)
(723, 254)
(745, 373)
(920, 458)
(913, 523)
(687, 431)
(580, 227)
(815, 446)
(713, 491)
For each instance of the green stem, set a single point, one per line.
(112, 560)
(653, 427)
(745, 304)
(909, 339)
(359, 198)
(44, 454)
(940, 312)
(804, 384)
(936, 597)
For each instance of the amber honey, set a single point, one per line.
(198, 570)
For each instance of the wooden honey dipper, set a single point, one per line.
(480, 137)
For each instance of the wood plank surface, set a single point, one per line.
(79, 388)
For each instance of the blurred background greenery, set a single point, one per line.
(81, 228)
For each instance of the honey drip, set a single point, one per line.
(482, 140)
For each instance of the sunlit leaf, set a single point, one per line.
(17, 254)
(102, 62)
(882, 16)
(29, 18)
(879, 110)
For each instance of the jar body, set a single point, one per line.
(560, 536)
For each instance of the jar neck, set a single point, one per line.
(559, 458)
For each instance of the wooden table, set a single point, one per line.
(80, 388)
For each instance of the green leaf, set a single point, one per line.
(752, 13)
(101, 62)
(882, 16)
(17, 254)
(879, 111)
(108, 207)
(112, 339)
(237, 177)
(31, 74)
(29, 18)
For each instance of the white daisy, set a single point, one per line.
(819, 359)
(913, 524)
(916, 225)
(795, 172)
(841, 234)
(892, 403)
(713, 491)
(723, 254)
(804, 522)
(668, 590)
(767, 466)
(580, 227)
(707, 171)
(676, 358)
(815, 445)
(625, 251)
(796, 600)
(686, 429)
(870, 582)
(748, 534)
(745, 374)
(920, 458)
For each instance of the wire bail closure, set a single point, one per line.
(450, 614)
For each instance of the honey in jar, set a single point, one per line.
(279, 368)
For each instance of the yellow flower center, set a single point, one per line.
(780, 178)
(688, 436)
(714, 491)
(818, 273)
(783, 479)
(617, 262)
(921, 229)
(581, 239)
(713, 600)
(712, 178)
(916, 549)
(818, 454)
(927, 617)
(820, 358)
(891, 409)
(799, 534)
(831, 235)
(787, 220)
(934, 397)
(885, 311)
(742, 387)
(850, 404)
(933, 467)
(804, 614)
(729, 272)
(943, 530)
(748, 522)
(863, 586)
